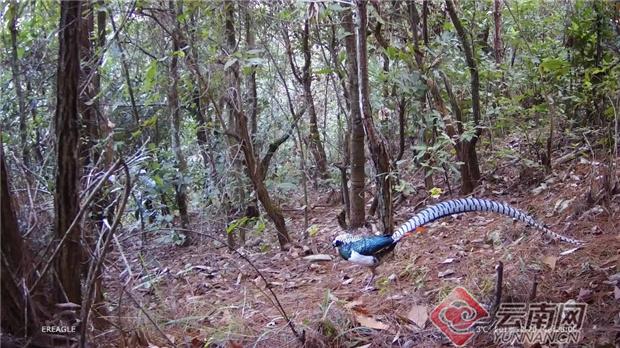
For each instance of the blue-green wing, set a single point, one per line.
(373, 246)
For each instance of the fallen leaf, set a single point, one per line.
(550, 261)
(446, 273)
(370, 322)
(446, 261)
(616, 293)
(569, 251)
(348, 281)
(418, 315)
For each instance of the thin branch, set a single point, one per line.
(77, 218)
(96, 266)
(273, 147)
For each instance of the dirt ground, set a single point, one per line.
(205, 296)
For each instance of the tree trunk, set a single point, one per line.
(21, 102)
(175, 112)
(497, 39)
(462, 148)
(425, 21)
(305, 79)
(252, 98)
(255, 170)
(470, 147)
(356, 141)
(17, 316)
(376, 142)
(125, 68)
(96, 129)
(201, 131)
(316, 146)
(67, 126)
(87, 90)
(200, 100)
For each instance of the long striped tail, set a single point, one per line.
(463, 205)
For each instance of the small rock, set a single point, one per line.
(446, 261)
(315, 266)
(392, 277)
(446, 273)
(306, 250)
(538, 190)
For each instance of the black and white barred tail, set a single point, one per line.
(463, 205)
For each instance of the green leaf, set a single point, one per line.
(324, 71)
(313, 230)
(554, 66)
(435, 192)
(149, 77)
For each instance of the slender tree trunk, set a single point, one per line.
(17, 78)
(87, 90)
(200, 100)
(96, 129)
(427, 138)
(304, 77)
(425, 21)
(125, 68)
(316, 146)
(256, 170)
(356, 141)
(67, 126)
(36, 146)
(252, 98)
(201, 130)
(471, 159)
(377, 144)
(467, 185)
(402, 128)
(497, 39)
(175, 113)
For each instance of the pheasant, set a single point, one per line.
(369, 251)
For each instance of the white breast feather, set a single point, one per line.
(362, 259)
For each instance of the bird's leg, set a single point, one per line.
(373, 271)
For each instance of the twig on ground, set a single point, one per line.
(534, 288)
(499, 269)
(135, 302)
(301, 337)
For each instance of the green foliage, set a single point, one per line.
(435, 192)
(258, 224)
(313, 230)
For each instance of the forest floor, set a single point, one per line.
(204, 295)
